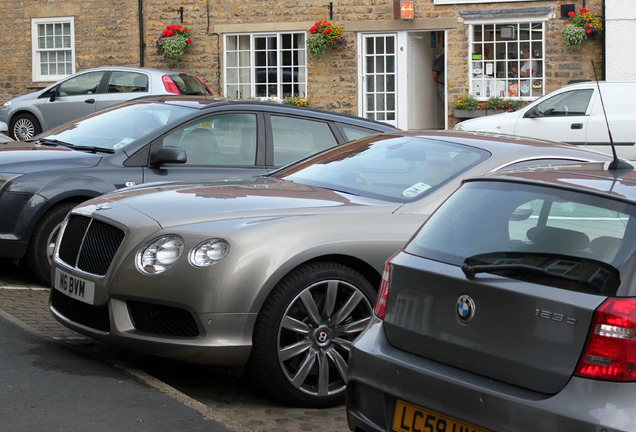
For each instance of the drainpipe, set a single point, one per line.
(603, 47)
(142, 44)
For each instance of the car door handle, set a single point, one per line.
(576, 126)
(89, 101)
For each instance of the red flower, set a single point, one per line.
(313, 29)
(571, 14)
(327, 31)
(587, 24)
(584, 10)
(188, 41)
(167, 33)
(588, 31)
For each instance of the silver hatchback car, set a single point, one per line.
(512, 309)
(87, 92)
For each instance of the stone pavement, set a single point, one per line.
(229, 400)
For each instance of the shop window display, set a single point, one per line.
(506, 60)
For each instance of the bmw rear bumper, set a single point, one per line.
(379, 374)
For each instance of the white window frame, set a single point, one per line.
(36, 51)
(499, 21)
(247, 72)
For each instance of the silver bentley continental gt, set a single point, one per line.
(277, 273)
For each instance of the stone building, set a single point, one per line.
(257, 48)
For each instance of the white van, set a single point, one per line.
(573, 114)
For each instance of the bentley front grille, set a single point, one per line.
(89, 245)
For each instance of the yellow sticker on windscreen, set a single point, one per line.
(415, 190)
(205, 125)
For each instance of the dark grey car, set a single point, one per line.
(146, 140)
(512, 309)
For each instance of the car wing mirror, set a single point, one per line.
(532, 113)
(168, 154)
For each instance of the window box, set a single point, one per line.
(465, 114)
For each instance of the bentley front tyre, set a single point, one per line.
(42, 243)
(303, 334)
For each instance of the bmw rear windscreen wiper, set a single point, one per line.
(92, 149)
(562, 271)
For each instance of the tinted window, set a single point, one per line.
(354, 133)
(189, 84)
(517, 223)
(295, 138)
(126, 82)
(223, 139)
(400, 169)
(81, 85)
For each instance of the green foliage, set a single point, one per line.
(173, 42)
(466, 102)
(573, 35)
(317, 45)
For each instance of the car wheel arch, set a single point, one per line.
(26, 114)
(299, 260)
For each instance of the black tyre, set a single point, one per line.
(42, 243)
(24, 126)
(304, 332)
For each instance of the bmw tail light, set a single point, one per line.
(169, 85)
(610, 350)
(383, 293)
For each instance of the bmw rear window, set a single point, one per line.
(556, 231)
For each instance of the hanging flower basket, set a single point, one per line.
(173, 42)
(580, 26)
(324, 35)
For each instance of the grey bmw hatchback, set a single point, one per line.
(512, 309)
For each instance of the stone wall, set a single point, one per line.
(107, 33)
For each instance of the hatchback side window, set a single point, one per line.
(223, 139)
(296, 138)
(354, 132)
(126, 82)
(81, 85)
(570, 103)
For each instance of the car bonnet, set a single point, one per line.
(22, 157)
(173, 204)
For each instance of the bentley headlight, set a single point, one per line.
(459, 127)
(209, 252)
(160, 254)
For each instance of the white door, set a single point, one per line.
(395, 82)
(378, 77)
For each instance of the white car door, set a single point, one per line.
(563, 117)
